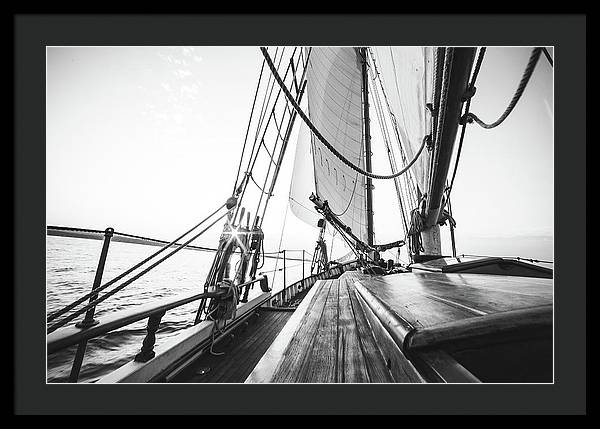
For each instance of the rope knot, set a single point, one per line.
(428, 142)
(469, 93)
(414, 233)
(467, 118)
(446, 216)
(433, 111)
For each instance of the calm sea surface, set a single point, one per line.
(70, 269)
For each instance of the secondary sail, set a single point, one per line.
(406, 73)
(334, 94)
(303, 179)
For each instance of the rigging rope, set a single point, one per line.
(408, 179)
(257, 185)
(548, 57)
(332, 241)
(267, 149)
(510, 257)
(254, 154)
(323, 140)
(442, 83)
(265, 104)
(469, 94)
(533, 59)
(353, 247)
(248, 128)
(266, 101)
(139, 264)
(280, 269)
(415, 243)
(443, 101)
(289, 127)
(386, 139)
(280, 240)
(452, 224)
(108, 294)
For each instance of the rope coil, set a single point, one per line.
(414, 234)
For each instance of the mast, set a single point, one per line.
(459, 68)
(369, 184)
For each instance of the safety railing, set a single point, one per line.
(285, 297)
(61, 334)
(80, 334)
(94, 300)
(96, 234)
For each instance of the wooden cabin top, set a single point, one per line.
(416, 327)
(484, 265)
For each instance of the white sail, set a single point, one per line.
(407, 76)
(303, 179)
(334, 92)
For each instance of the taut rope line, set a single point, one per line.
(533, 59)
(108, 294)
(323, 140)
(139, 264)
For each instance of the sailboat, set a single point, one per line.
(357, 319)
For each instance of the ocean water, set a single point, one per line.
(70, 269)
(71, 266)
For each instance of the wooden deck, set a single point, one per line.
(240, 353)
(484, 265)
(331, 341)
(356, 329)
(429, 299)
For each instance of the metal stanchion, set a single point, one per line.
(89, 320)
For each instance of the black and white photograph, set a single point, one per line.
(300, 214)
(271, 215)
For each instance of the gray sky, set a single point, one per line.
(147, 140)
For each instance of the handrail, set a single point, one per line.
(108, 294)
(523, 320)
(319, 276)
(135, 267)
(70, 335)
(95, 234)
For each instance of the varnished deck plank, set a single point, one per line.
(338, 337)
(296, 353)
(375, 363)
(240, 354)
(334, 343)
(322, 364)
(352, 364)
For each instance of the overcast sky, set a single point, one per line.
(147, 140)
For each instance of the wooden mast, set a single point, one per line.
(459, 68)
(369, 184)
